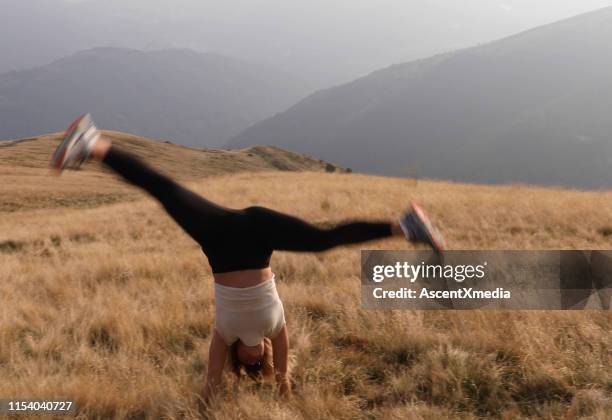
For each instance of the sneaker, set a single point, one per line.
(77, 144)
(418, 228)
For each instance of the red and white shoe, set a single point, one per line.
(418, 228)
(77, 144)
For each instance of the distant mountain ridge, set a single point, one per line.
(184, 96)
(325, 42)
(532, 108)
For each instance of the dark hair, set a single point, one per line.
(264, 369)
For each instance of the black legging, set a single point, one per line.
(218, 228)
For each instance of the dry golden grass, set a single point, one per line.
(112, 305)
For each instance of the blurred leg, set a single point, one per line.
(288, 233)
(192, 212)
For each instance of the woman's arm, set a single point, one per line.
(216, 361)
(280, 351)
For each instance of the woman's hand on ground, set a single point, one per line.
(284, 387)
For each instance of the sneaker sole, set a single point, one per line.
(59, 157)
(432, 234)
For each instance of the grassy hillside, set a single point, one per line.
(27, 182)
(112, 305)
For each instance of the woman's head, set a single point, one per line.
(255, 360)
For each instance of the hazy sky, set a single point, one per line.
(237, 9)
(324, 41)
